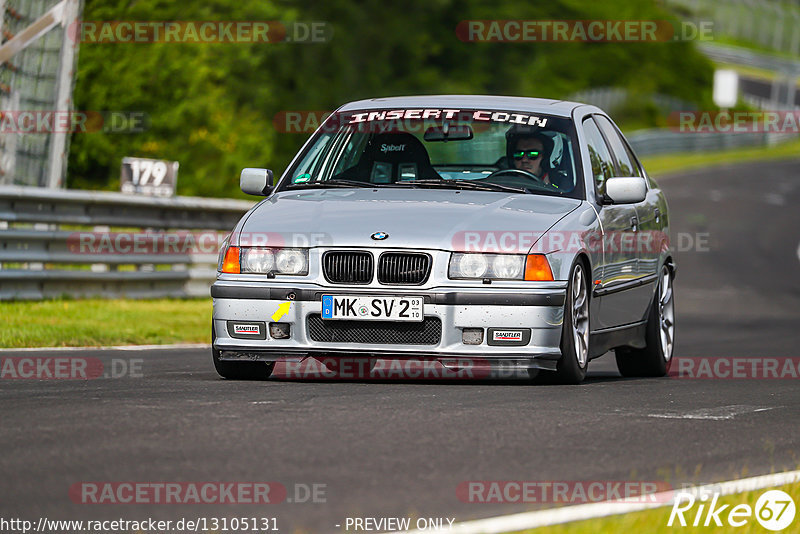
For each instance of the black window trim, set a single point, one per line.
(617, 167)
(597, 194)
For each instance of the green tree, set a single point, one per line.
(211, 106)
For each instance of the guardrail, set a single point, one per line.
(771, 24)
(80, 243)
(789, 66)
(667, 141)
(611, 99)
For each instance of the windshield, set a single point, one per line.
(486, 150)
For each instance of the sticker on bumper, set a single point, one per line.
(514, 337)
(252, 329)
(247, 329)
(507, 335)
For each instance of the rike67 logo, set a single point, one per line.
(774, 510)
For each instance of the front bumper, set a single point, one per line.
(539, 312)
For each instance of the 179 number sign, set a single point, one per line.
(152, 177)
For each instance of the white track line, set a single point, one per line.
(567, 514)
(176, 346)
(714, 414)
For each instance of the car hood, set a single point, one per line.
(412, 218)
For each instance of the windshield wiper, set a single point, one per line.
(435, 183)
(464, 184)
(334, 183)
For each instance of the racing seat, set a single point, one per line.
(562, 175)
(391, 157)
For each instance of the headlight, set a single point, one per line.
(508, 266)
(292, 261)
(533, 267)
(261, 260)
(257, 260)
(468, 266)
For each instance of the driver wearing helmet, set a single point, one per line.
(530, 151)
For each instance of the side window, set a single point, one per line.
(626, 160)
(310, 165)
(599, 155)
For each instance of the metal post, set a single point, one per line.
(6, 163)
(8, 155)
(57, 164)
(775, 92)
(791, 92)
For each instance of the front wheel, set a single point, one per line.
(239, 370)
(656, 358)
(571, 367)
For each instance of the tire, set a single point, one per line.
(656, 358)
(239, 370)
(571, 367)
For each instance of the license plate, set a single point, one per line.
(365, 308)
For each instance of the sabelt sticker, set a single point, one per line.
(392, 148)
(253, 329)
(507, 335)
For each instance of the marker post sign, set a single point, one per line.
(151, 177)
(726, 88)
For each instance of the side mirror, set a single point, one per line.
(625, 190)
(256, 181)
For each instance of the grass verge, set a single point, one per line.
(669, 163)
(98, 322)
(654, 521)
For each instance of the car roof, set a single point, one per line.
(561, 108)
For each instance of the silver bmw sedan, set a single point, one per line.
(464, 231)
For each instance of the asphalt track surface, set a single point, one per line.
(401, 448)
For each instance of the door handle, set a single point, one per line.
(635, 223)
(658, 215)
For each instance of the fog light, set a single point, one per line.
(279, 330)
(472, 336)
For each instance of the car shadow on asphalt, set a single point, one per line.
(590, 380)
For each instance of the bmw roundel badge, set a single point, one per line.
(379, 236)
